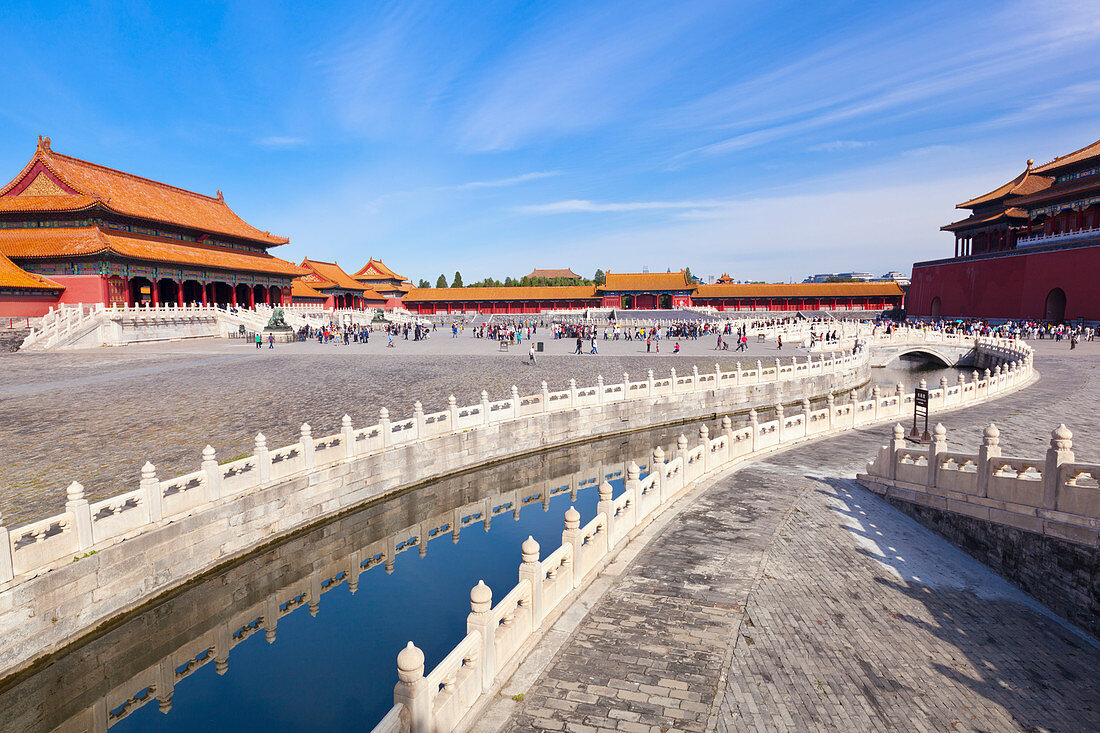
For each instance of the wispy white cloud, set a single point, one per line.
(576, 206)
(279, 141)
(503, 182)
(839, 146)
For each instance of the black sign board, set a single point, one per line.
(920, 409)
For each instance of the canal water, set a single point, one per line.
(332, 665)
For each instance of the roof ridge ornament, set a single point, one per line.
(44, 144)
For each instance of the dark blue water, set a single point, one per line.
(337, 671)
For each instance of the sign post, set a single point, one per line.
(920, 409)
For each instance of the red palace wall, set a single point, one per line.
(1008, 285)
(12, 305)
(81, 288)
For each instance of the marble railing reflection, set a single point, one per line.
(76, 694)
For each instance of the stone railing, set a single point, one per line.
(84, 326)
(1053, 495)
(87, 526)
(448, 697)
(146, 540)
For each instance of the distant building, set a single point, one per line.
(565, 274)
(1029, 249)
(340, 289)
(384, 281)
(648, 291)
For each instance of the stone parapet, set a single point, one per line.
(444, 699)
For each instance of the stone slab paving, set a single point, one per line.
(96, 416)
(788, 598)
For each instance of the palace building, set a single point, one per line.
(649, 291)
(340, 289)
(73, 231)
(1028, 250)
(383, 281)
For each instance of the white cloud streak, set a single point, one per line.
(503, 182)
(278, 141)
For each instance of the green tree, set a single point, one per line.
(424, 283)
(458, 280)
(687, 273)
(599, 278)
(441, 282)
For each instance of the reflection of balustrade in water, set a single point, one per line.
(158, 682)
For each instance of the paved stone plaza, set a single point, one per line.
(96, 416)
(786, 597)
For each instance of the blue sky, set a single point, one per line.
(768, 139)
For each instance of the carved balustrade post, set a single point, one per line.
(213, 473)
(991, 438)
(607, 507)
(572, 535)
(937, 446)
(780, 418)
(657, 466)
(418, 420)
(896, 444)
(545, 397)
(694, 378)
(943, 392)
(727, 429)
(150, 493)
(672, 381)
(649, 384)
(452, 412)
(754, 422)
(572, 392)
(759, 371)
(704, 440)
(830, 403)
(738, 374)
(484, 407)
(384, 427)
(805, 415)
(717, 376)
(306, 440)
(599, 389)
(263, 459)
(412, 689)
(1060, 452)
(531, 569)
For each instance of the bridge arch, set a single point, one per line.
(944, 358)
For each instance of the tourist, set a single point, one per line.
(531, 355)
(271, 341)
(593, 351)
(259, 340)
(580, 343)
(676, 348)
(780, 342)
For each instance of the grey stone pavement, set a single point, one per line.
(786, 597)
(95, 416)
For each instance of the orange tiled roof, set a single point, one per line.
(798, 290)
(14, 276)
(299, 288)
(725, 278)
(1089, 151)
(1023, 184)
(73, 202)
(123, 193)
(566, 273)
(376, 267)
(974, 219)
(545, 292)
(84, 241)
(330, 275)
(647, 281)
